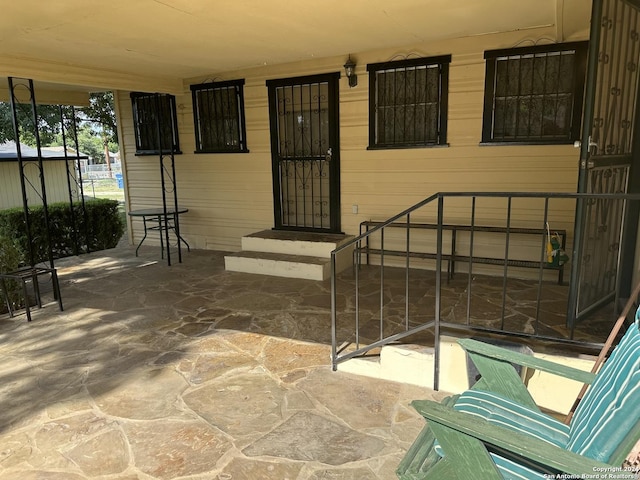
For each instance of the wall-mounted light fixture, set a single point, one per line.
(350, 72)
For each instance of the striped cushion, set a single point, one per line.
(501, 411)
(498, 410)
(610, 408)
(516, 471)
(604, 417)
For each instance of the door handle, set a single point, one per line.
(578, 144)
(329, 154)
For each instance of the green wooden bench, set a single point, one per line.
(496, 431)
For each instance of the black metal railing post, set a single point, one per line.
(393, 330)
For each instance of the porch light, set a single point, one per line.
(350, 72)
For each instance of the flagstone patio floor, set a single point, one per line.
(192, 372)
(157, 372)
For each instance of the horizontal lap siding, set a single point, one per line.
(55, 175)
(10, 193)
(230, 195)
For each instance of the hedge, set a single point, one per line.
(100, 229)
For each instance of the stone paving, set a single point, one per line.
(189, 372)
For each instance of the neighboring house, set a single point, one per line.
(268, 131)
(55, 174)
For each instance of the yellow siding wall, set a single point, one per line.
(231, 195)
(55, 183)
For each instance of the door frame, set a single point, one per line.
(632, 210)
(332, 80)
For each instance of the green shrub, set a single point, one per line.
(10, 260)
(99, 228)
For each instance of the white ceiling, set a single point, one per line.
(105, 43)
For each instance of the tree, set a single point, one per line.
(98, 120)
(48, 123)
(88, 143)
(100, 112)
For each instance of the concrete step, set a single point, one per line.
(414, 364)
(279, 265)
(294, 243)
(304, 255)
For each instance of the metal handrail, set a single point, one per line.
(339, 354)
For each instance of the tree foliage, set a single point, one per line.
(95, 124)
(49, 123)
(100, 112)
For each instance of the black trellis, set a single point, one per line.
(24, 116)
(77, 209)
(25, 120)
(167, 175)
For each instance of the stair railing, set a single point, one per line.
(356, 332)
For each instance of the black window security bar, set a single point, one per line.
(218, 114)
(408, 102)
(409, 300)
(534, 94)
(148, 108)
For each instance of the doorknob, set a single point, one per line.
(578, 144)
(329, 154)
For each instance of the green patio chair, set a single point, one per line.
(496, 431)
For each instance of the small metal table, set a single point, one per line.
(165, 220)
(30, 274)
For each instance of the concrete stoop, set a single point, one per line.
(288, 254)
(414, 364)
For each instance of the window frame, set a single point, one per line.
(241, 128)
(580, 65)
(140, 147)
(442, 62)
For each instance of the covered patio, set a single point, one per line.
(194, 372)
(191, 372)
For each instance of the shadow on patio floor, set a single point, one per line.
(189, 372)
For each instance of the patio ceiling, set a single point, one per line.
(131, 43)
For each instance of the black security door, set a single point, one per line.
(303, 115)
(606, 153)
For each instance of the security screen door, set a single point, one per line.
(305, 152)
(606, 152)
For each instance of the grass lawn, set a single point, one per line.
(107, 188)
(103, 188)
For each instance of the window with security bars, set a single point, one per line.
(534, 94)
(408, 102)
(218, 114)
(155, 123)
